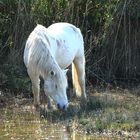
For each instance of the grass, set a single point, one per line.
(114, 113)
(111, 113)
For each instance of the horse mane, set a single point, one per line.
(41, 58)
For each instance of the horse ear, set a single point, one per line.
(65, 71)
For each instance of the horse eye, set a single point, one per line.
(52, 73)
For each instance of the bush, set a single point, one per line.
(110, 30)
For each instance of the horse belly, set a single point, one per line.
(66, 53)
(64, 60)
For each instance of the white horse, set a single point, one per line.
(48, 52)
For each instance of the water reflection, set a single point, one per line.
(26, 123)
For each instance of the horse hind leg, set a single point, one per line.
(78, 76)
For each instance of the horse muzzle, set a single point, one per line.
(62, 107)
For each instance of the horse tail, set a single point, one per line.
(75, 81)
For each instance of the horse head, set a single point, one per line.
(55, 86)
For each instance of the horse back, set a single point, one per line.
(68, 43)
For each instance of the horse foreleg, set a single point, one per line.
(35, 88)
(80, 68)
(48, 101)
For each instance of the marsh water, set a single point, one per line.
(24, 122)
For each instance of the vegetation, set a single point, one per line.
(110, 30)
(111, 35)
(112, 114)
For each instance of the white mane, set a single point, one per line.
(39, 55)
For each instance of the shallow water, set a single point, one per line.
(24, 123)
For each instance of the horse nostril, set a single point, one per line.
(61, 107)
(58, 106)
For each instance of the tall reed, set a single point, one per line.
(110, 30)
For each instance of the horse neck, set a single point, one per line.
(51, 65)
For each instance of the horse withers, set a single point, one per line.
(48, 52)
